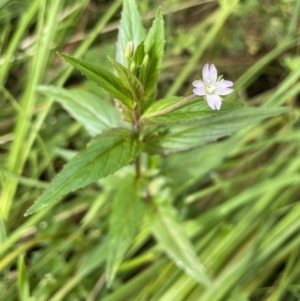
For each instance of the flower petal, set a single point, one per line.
(205, 73)
(214, 101)
(199, 91)
(224, 83)
(198, 83)
(222, 91)
(213, 74)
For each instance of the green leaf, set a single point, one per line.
(184, 137)
(131, 29)
(139, 54)
(163, 106)
(23, 282)
(170, 235)
(125, 219)
(154, 47)
(102, 77)
(95, 114)
(93, 258)
(185, 169)
(166, 111)
(148, 100)
(105, 154)
(129, 80)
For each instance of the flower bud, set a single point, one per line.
(132, 67)
(129, 50)
(145, 61)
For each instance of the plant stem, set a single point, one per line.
(136, 120)
(137, 167)
(137, 130)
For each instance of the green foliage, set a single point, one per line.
(139, 54)
(154, 48)
(127, 213)
(132, 84)
(23, 283)
(102, 77)
(168, 231)
(188, 203)
(131, 29)
(184, 137)
(105, 154)
(95, 114)
(166, 112)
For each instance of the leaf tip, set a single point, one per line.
(29, 211)
(34, 208)
(159, 12)
(62, 55)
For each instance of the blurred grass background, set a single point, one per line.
(238, 198)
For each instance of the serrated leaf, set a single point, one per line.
(105, 154)
(131, 29)
(154, 47)
(170, 235)
(184, 137)
(102, 77)
(95, 114)
(125, 219)
(166, 112)
(129, 80)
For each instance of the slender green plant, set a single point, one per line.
(137, 128)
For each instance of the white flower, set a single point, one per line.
(211, 88)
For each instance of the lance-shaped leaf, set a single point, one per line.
(102, 77)
(187, 136)
(154, 48)
(105, 154)
(139, 54)
(187, 168)
(170, 235)
(129, 80)
(177, 110)
(126, 216)
(131, 29)
(95, 114)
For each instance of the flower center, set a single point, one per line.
(209, 89)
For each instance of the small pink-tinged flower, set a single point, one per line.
(211, 87)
